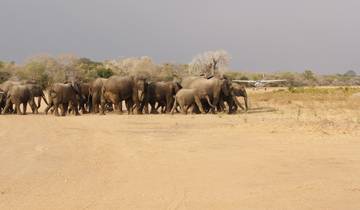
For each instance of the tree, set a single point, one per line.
(210, 62)
(350, 73)
(309, 75)
(138, 66)
(104, 73)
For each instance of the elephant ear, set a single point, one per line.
(177, 87)
(76, 87)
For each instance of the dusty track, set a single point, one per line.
(259, 160)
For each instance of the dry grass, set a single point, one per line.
(336, 109)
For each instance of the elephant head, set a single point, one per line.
(239, 90)
(225, 86)
(76, 87)
(141, 87)
(175, 87)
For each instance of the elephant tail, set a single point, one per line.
(209, 102)
(174, 106)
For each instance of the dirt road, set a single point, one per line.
(248, 161)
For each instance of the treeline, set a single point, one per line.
(46, 70)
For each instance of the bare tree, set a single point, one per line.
(210, 63)
(139, 66)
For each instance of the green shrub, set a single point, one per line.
(104, 73)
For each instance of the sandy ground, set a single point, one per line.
(268, 158)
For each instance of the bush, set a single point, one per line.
(104, 73)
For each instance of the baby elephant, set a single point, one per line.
(185, 98)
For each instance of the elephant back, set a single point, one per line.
(116, 84)
(19, 93)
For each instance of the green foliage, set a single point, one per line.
(350, 73)
(309, 75)
(4, 76)
(35, 71)
(244, 78)
(104, 73)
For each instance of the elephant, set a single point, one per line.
(35, 89)
(2, 100)
(185, 98)
(208, 89)
(85, 98)
(240, 91)
(5, 86)
(61, 94)
(95, 94)
(19, 94)
(163, 94)
(118, 88)
(232, 101)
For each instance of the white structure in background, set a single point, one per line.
(260, 83)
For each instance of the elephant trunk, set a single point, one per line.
(237, 102)
(141, 95)
(209, 102)
(246, 102)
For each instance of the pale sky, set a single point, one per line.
(260, 35)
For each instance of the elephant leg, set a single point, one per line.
(82, 105)
(74, 106)
(192, 107)
(198, 103)
(24, 108)
(129, 106)
(146, 108)
(56, 109)
(186, 108)
(39, 102)
(33, 106)
(168, 104)
(7, 106)
(152, 106)
(119, 106)
(95, 105)
(237, 102)
(17, 107)
(65, 107)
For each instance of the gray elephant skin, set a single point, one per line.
(161, 94)
(207, 91)
(118, 88)
(62, 95)
(95, 94)
(19, 94)
(185, 98)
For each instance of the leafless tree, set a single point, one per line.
(210, 63)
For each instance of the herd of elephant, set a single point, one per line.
(192, 94)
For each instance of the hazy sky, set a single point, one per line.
(260, 35)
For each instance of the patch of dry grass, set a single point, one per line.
(328, 110)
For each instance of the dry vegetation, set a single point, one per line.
(47, 69)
